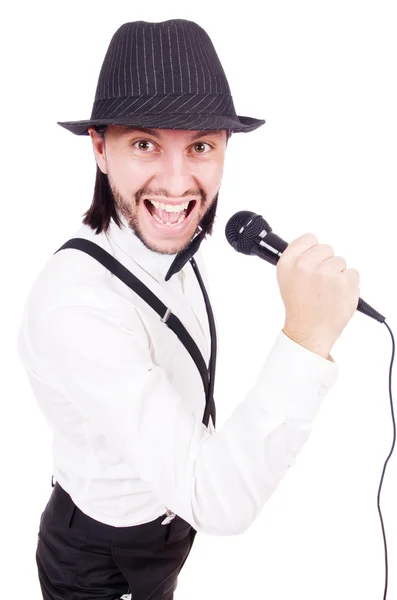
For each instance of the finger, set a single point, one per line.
(336, 263)
(353, 276)
(317, 254)
(298, 246)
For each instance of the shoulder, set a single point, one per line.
(72, 277)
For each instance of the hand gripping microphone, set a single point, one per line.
(249, 233)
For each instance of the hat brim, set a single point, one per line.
(191, 121)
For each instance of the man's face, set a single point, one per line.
(170, 167)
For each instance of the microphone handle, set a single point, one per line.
(271, 251)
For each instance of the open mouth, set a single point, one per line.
(170, 218)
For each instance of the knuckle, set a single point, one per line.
(353, 274)
(339, 260)
(327, 248)
(334, 264)
(299, 245)
(310, 237)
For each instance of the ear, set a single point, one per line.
(98, 145)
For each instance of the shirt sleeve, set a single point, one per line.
(100, 359)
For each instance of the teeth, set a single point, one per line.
(181, 218)
(169, 207)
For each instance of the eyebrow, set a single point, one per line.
(195, 136)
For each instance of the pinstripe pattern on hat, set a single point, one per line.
(165, 75)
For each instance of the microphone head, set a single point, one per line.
(243, 228)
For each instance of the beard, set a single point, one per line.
(205, 219)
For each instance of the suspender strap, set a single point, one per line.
(118, 269)
(210, 406)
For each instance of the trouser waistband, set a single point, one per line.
(72, 516)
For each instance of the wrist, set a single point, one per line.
(309, 342)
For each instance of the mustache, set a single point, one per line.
(161, 192)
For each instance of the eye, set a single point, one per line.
(143, 142)
(202, 144)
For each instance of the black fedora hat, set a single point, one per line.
(163, 75)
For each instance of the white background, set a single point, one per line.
(323, 75)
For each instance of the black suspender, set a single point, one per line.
(111, 263)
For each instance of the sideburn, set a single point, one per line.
(207, 222)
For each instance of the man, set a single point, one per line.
(138, 469)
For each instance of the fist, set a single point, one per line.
(319, 293)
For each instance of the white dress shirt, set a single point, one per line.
(125, 400)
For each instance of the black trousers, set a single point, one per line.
(79, 558)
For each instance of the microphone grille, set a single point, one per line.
(235, 223)
(242, 229)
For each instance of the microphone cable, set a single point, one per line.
(386, 461)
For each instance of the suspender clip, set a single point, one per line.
(169, 517)
(167, 314)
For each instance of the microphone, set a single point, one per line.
(249, 233)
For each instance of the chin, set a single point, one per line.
(164, 246)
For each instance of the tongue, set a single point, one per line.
(167, 217)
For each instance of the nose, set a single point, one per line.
(175, 174)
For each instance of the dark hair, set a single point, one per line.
(103, 207)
